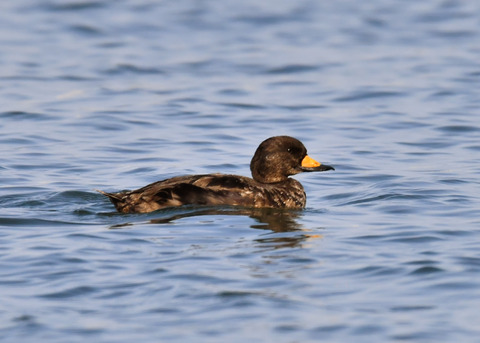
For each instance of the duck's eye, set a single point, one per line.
(293, 151)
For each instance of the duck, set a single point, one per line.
(275, 160)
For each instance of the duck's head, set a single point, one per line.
(279, 157)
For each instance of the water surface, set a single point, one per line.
(117, 94)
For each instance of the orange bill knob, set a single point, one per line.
(309, 162)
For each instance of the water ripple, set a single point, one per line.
(27, 116)
(125, 68)
(73, 6)
(366, 95)
(69, 293)
(292, 69)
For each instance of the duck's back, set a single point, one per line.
(209, 189)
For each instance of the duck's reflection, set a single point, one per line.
(283, 224)
(266, 218)
(274, 220)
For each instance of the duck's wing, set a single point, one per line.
(210, 189)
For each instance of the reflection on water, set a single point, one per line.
(268, 219)
(275, 220)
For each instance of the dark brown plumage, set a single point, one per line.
(274, 161)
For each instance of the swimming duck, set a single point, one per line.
(274, 161)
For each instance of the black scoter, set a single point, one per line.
(274, 161)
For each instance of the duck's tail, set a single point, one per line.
(113, 196)
(119, 200)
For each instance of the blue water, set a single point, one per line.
(117, 94)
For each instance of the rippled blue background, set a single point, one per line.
(118, 94)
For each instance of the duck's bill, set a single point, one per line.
(310, 165)
(322, 167)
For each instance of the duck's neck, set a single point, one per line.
(285, 194)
